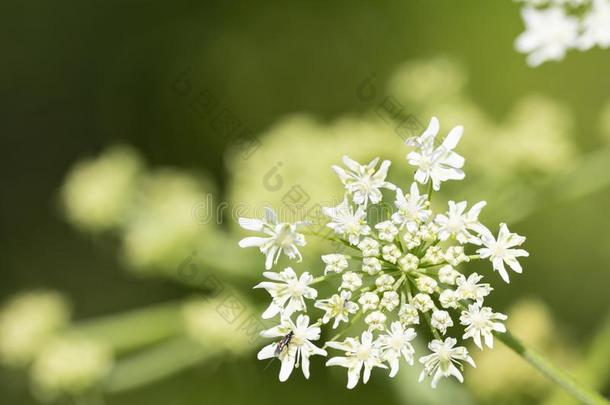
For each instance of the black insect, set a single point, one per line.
(282, 344)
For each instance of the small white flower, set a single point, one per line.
(338, 307)
(390, 300)
(369, 247)
(408, 262)
(282, 237)
(442, 361)
(447, 275)
(468, 289)
(549, 33)
(335, 263)
(596, 26)
(288, 292)
(391, 253)
(426, 284)
(408, 314)
(360, 353)
(371, 265)
(434, 255)
(347, 223)
(455, 255)
(441, 321)
(384, 282)
(369, 301)
(437, 164)
(428, 232)
(396, 344)
(363, 182)
(387, 231)
(482, 322)
(501, 251)
(448, 299)
(458, 224)
(412, 209)
(351, 281)
(411, 240)
(375, 320)
(299, 348)
(422, 302)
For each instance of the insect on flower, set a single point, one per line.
(400, 271)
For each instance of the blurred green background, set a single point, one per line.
(80, 78)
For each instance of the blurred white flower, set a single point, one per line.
(596, 26)
(70, 366)
(549, 34)
(335, 263)
(436, 164)
(282, 237)
(288, 292)
(363, 182)
(295, 347)
(27, 322)
(360, 353)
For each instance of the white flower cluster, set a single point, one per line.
(401, 273)
(556, 26)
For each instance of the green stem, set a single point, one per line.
(559, 377)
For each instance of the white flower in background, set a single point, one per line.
(386, 231)
(437, 164)
(412, 209)
(338, 307)
(369, 301)
(469, 289)
(442, 361)
(441, 320)
(396, 344)
(335, 263)
(70, 366)
(347, 223)
(295, 346)
(482, 322)
(363, 182)
(369, 247)
(375, 320)
(549, 34)
(363, 353)
(501, 250)
(351, 281)
(458, 224)
(596, 26)
(282, 237)
(288, 292)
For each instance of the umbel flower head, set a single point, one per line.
(393, 279)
